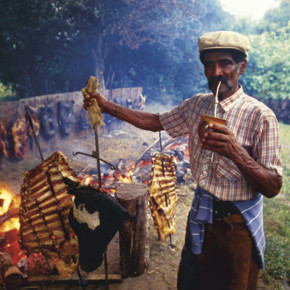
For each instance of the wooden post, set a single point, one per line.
(11, 276)
(134, 236)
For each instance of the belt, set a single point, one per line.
(223, 208)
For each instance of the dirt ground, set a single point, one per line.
(127, 143)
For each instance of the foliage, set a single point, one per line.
(275, 18)
(268, 71)
(167, 64)
(6, 93)
(39, 41)
(267, 75)
(51, 45)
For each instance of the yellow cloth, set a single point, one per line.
(94, 111)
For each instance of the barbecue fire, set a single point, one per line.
(36, 190)
(5, 199)
(9, 223)
(10, 252)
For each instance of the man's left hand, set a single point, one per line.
(221, 140)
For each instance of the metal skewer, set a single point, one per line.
(97, 152)
(34, 135)
(94, 154)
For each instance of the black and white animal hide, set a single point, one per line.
(95, 218)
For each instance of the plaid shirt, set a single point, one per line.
(254, 125)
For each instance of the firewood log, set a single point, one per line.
(12, 277)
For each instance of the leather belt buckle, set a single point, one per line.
(223, 208)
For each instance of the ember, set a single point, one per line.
(9, 224)
(126, 170)
(10, 252)
(138, 171)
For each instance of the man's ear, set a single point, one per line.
(243, 66)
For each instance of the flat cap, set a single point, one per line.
(224, 40)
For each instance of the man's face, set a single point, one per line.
(220, 65)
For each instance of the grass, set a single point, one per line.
(285, 141)
(277, 224)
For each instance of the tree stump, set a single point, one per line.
(11, 276)
(134, 236)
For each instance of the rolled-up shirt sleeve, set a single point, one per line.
(175, 122)
(268, 147)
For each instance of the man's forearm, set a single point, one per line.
(262, 179)
(142, 120)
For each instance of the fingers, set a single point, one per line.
(213, 140)
(215, 136)
(218, 128)
(88, 100)
(214, 132)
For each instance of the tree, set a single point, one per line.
(25, 36)
(162, 41)
(275, 18)
(39, 39)
(268, 72)
(51, 46)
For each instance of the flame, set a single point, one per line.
(125, 178)
(12, 223)
(9, 203)
(6, 198)
(9, 207)
(142, 163)
(87, 180)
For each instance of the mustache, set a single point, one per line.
(222, 79)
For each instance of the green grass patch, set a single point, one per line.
(277, 223)
(277, 257)
(285, 154)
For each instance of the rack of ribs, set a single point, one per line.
(43, 214)
(162, 194)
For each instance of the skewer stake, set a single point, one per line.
(34, 135)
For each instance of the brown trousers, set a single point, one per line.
(227, 260)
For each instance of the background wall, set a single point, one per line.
(58, 119)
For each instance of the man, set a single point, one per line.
(224, 242)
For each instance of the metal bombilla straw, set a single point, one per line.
(216, 102)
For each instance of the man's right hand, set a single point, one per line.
(143, 120)
(88, 100)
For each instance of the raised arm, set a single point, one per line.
(139, 119)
